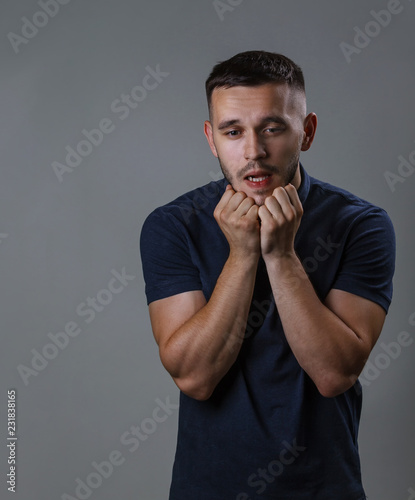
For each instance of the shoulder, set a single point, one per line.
(321, 189)
(188, 217)
(335, 203)
(188, 207)
(350, 220)
(359, 240)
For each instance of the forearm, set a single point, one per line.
(203, 349)
(325, 347)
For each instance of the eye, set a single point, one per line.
(232, 133)
(274, 130)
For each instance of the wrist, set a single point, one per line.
(281, 260)
(286, 275)
(245, 260)
(284, 265)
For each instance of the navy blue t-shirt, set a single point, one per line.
(266, 432)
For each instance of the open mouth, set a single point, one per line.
(258, 181)
(251, 178)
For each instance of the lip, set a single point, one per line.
(258, 184)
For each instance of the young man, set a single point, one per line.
(267, 290)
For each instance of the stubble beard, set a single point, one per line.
(287, 173)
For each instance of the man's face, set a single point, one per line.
(257, 134)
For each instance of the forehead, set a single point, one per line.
(253, 102)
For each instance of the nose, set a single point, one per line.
(253, 147)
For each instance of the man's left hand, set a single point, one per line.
(280, 219)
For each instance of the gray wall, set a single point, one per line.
(63, 237)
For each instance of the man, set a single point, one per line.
(267, 290)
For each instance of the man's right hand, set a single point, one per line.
(237, 216)
(200, 340)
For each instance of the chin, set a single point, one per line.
(260, 196)
(260, 199)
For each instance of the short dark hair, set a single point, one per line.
(253, 68)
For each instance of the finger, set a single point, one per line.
(274, 207)
(294, 198)
(245, 206)
(287, 208)
(264, 214)
(281, 195)
(227, 195)
(229, 202)
(253, 212)
(236, 200)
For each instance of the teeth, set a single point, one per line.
(257, 179)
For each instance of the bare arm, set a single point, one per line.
(198, 340)
(331, 341)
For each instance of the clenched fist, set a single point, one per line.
(237, 216)
(280, 218)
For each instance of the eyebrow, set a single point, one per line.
(268, 119)
(227, 123)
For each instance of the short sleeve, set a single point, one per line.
(167, 264)
(368, 261)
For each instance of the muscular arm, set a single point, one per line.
(198, 340)
(330, 340)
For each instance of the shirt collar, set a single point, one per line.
(304, 188)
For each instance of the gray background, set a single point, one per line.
(59, 241)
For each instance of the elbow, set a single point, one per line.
(336, 380)
(201, 391)
(195, 385)
(331, 391)
(334, 384)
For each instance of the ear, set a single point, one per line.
(310, 127)
(209, 136)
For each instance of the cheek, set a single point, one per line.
(230, 152)
(289, 145)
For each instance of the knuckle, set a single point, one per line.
(240, 196)
(222, 216)
(242, 224)
(291, 216)
(233, 219)
(262, 211)
(268, 225)
(249, 202)
(269, 202)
